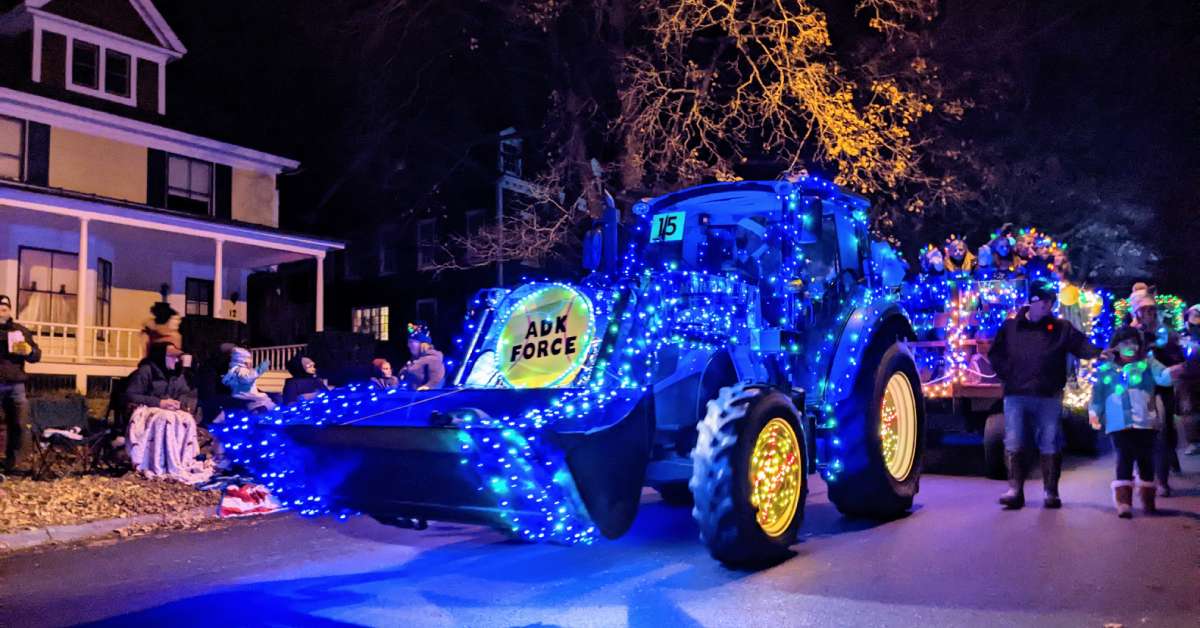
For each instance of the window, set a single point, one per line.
(427, 311)
(389, 251)
(426, 243)
(116, 73)
(12, 148)
(85, 64)
(46, 286)
(198, 297)
(103, 292)
(370, 320)
(510, 156)
(105, 71)
(189, 185)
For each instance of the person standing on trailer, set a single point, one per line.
(1029, 355)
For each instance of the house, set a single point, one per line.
(390, 275)
(106, 207)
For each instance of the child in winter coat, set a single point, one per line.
(1123, 402)
(383, 376)
(241, 380)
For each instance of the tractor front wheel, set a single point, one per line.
(749, 476)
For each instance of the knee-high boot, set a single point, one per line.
(1051, 471)
(1014, 497)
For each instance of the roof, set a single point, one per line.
(134, 20)
(88, 205)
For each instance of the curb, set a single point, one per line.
(68, 533)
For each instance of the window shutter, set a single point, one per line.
(39, 154)
(223, 191)
(156, 178)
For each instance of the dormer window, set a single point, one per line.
(116, 73)
(100, 69)
(85, 64)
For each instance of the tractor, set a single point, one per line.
(725, 342)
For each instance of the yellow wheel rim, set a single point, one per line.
(898, 426)
(776, 476)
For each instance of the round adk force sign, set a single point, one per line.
(545, 340)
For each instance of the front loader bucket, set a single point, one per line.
(464, 455)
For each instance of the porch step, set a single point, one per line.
(272, 381)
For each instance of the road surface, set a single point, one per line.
(957, 560)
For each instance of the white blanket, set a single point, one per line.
(162, 443)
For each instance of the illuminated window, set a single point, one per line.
(198, 297)
(12, 148)
(370, 320)
(189, 185)
(46, 286)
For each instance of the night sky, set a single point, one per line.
(1107, 92)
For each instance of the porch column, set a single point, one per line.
(218, 274)
(320, 318)
(81, 303)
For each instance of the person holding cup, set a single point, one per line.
(17, 348)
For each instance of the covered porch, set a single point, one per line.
(83, 274)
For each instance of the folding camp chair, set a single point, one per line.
(59, 429)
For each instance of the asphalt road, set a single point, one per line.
(956, 561)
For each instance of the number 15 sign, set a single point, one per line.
(667, 227)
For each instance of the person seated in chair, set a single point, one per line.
(160, 382)
(383, 377)
(304, 383)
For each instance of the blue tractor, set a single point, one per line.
(726, 343)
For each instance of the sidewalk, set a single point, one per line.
(33, 513)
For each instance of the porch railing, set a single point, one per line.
(100, 344)
(122, 345)
(276, 356)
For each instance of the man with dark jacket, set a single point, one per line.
(17, 349)
(1029, 355)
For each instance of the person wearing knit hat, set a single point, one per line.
(426, 369)
(383, 377)
(1166, 347)
(241, 379)
(17, 348)
(1029, 356)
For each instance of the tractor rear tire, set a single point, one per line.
(860, 481)
(722, 485)
(994, 465)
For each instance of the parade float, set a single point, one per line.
(958, 301)
(726, 342)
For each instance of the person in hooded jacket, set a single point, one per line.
(1029, 355)
(17, 348)
(304, 383)
(160, 380)
(425, 370)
